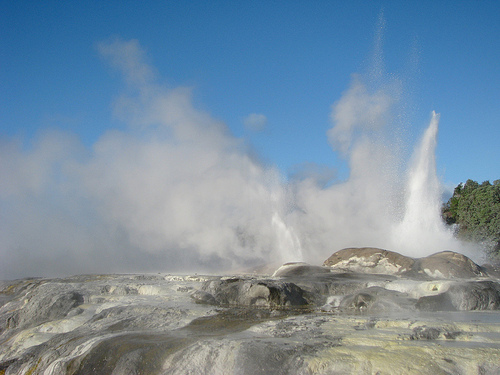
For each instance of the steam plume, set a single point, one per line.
(175, 191)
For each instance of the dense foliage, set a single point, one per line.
(476, 209)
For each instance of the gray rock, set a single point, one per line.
(377, 299)
(203, 297)
(425, 333)
(300, 269)
(493, 270)
(370, 260)
(464, 296)
(251, 292)
(442, 265)
(448, 265)
(440, 302)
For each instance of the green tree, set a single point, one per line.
(476, 209)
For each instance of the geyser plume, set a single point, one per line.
(175, 191)
(381, 204)
(422, 228)
(423, 185)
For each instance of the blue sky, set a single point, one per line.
(164, 135)
(289, 61)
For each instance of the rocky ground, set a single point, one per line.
(365, 311)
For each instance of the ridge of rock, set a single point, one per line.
(371, 260)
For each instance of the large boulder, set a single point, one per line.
(251, 292)
(370, 260)
(448, 265)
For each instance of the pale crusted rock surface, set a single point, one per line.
(442, 265)
(305, 320)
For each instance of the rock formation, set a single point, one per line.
(370, 260)
(448, 265)
(364, 311)
(236, 291)
(442, 265)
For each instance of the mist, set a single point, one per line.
(174, 190)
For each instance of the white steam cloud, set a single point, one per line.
(174, 191)
(357, 112)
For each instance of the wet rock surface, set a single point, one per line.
(251, 292)
(301, 319)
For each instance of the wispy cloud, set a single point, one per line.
(255, 121)
(129, 58)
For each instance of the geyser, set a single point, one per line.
(387, 201)
(421, 230)
(175, 191)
